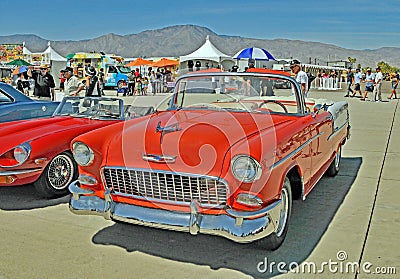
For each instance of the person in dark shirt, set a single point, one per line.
(44, 82)
(350, 82)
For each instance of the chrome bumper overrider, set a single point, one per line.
(238, 226)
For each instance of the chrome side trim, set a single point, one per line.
(235, 225)
(298, 149)
(337, 130)
(16, 172)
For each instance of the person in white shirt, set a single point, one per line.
(301, 76)
(378, 85)
(72, 85)
(357, 83)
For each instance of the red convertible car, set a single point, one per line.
(37, 150)
(226, 155)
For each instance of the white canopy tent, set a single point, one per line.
(207, 54)
(53, 55)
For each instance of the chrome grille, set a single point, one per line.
(166, 186)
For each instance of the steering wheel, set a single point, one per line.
(106, 112)
(275, 102)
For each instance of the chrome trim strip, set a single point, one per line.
(298, 149)
(337, 130)
(16, 172)
(233, 225)
(174, 202)
(167, 172)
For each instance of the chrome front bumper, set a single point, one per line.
(238, 226)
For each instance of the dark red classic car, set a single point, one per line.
(224, 156)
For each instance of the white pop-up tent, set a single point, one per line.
(207, 54)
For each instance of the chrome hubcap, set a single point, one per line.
(60, 172)
(283, 215)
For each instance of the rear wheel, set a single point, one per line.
(334, 166)
(57, 176)
(275, 240)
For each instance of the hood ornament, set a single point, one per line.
(167, 129)
(159, 158)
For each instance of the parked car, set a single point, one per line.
(16, 106)
(37, 150)
(226, 161)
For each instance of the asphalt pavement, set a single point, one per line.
(347, 222)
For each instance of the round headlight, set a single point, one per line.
(246, 168)
(21, 153)
(83, 155)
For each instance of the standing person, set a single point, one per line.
(92, 82)
(23, 83)
(102, 81)
(369, 83)
(378, 85)
(131, 83)
(72, 85)
(350, 82)
(198, 65)
(190, 65)
(159, 78)
(153, 82)
(357, 83)
(62, 80)
(44, 82)
(395, 81)
(301, 77)
(145, 84)
(138, 84)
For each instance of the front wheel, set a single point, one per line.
(334, 166)
(275, 240)
(57, 176)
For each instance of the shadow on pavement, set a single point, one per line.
(309, 221)
(25, 197)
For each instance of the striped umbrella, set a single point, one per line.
(254, 53)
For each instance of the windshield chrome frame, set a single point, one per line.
(78, 98)
(297, 92)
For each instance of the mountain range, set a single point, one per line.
(178, 40)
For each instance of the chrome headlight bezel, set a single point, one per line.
(83, 154)
(22, 152)
(19, 154)
(245, 168)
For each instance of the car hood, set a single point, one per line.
(184, 141)
(14, 133)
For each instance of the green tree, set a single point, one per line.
(352, 60)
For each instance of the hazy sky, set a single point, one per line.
(355, 24)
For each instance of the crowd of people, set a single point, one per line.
(161, 80)
(373, 84)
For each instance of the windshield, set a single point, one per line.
(124, 69)
(91, 107)
(242, 92)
